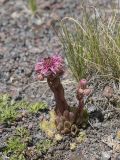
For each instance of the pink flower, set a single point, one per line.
(83, 83)
(50, 66)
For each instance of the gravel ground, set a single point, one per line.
(24, 38)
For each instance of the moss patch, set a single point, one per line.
(10, 110)
(17, 144)
(49, 126)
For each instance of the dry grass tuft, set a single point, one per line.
(92, 45)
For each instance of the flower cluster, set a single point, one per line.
(50, 66)
(82, 89)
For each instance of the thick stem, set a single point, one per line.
(79, 110)
(57, 88)
(82, 91)
(80, 107)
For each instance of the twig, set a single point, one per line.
(91, 124)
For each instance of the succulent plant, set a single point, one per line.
(82, 91)
(52, 68)
(66, 124)
(67, 119)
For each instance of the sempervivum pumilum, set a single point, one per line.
(52, 68)
(82, 91)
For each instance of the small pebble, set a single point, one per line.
(118, 157)
(1, 130)
(23, 119)
(105, 156)
(108, 92)
(38, 136)
(97, 125)
(30, 126)
(24, 113)
(91, 109)
(5, 158)
(2, 145)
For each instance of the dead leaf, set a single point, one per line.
(58, 137)
(118, 135)
(73, 146)
(112, 143)
(81, 137)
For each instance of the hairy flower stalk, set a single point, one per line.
(57, 88)
(52, 68)
(82, 91)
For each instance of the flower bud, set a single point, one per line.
(83, 83)
(87, 92)
(80, 91)
(40, 77)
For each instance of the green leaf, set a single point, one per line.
(34, 108)
(33, 6)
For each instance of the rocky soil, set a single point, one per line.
(23, 39)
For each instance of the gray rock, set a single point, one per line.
(118, 157)
(105, 156)
(38, 136)
(91, 108)
(97, 125)
(5, 158)
(2, 146)
(17, 95)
